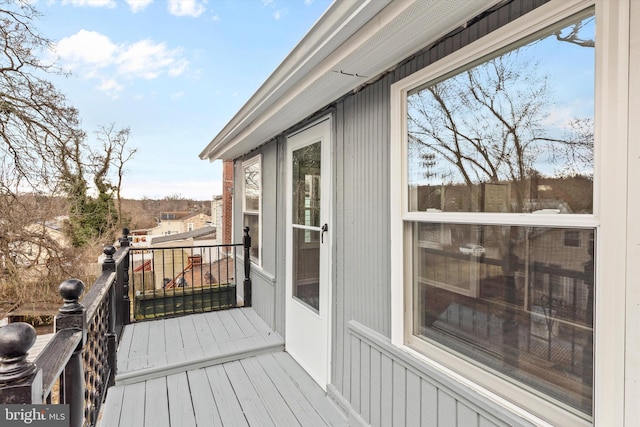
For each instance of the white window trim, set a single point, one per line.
(609, 217)
(246, 164)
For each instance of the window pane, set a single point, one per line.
(512, 134)
(253, 222)
(516, 299)
(306, 267)
(306, 185)
(252, 187)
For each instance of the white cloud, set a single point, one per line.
(91, 3)
(111, 87)
(148, 60)
(86, 48)
(138, 5)
(279, 14)
(177, 95)
(186, 7)
(94, 56)
(267, 2)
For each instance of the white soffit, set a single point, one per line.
(359, 44)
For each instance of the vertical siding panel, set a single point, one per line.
(466, 416)
(386, 406)
(413, 399)
(348, 239)
(339, 327)
(376, 384)
(447, 413)
(365, 381)
(281, 225)
(355, 374)
(429, 403)
(399, 394)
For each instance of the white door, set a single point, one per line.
(308, 322)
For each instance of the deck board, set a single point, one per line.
(254, 384)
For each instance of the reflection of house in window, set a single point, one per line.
(572, 238)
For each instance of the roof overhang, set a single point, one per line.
(353, 43)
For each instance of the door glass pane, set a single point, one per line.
(516, 299)
(306, 267)
(512, 134)
(306, 186)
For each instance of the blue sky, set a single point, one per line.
(174, 71)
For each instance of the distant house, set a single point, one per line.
(443, 203)
(180, 222)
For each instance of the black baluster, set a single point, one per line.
(126, 301)
(247, 267)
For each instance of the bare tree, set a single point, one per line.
(487, 124)
(115, 142)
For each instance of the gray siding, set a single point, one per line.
(375, 383)
(263, 277)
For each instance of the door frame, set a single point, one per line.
(325, 312)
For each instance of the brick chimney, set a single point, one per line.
(227, 200)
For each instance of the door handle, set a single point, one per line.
(324, 229)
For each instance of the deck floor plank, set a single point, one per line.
(253, 407)
(275, 404)
(132, 410)
(310, 389)
(228, 406)
(212, 369)
(181, 413)
(173, 341)
(157, 348)
(156, 403)
(302, 408)
(204, 402)
(112, 407)
(190, 341)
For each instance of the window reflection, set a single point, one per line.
(512, 134)
(517, 299)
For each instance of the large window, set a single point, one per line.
(498, 224)
(252, 203)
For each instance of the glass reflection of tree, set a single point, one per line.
(488, 124)
(306, 185)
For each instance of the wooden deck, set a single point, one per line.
(224, 368)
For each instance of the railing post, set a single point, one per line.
(109, 265)
(126, 302)
(246, 240)
(72, 316)
(20, 380)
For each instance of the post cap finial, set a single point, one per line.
(16, 339)
(70, 291)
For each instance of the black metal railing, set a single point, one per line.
(79, 362)
(179, 280)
